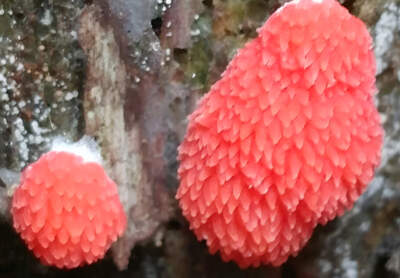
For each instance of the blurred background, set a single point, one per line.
(128, 73)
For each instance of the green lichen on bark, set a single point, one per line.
(41, 75)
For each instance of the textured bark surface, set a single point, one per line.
(128, 73)
(113, 117)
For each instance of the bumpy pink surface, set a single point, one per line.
(67, 211)
(287, 139)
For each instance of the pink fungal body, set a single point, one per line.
(67, 210)
(288, 138)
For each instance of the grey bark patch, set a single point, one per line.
(113, 118)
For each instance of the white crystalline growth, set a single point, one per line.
(294, 2)
(86, 148)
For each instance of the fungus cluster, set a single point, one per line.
(287, 139)
(67, 210)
